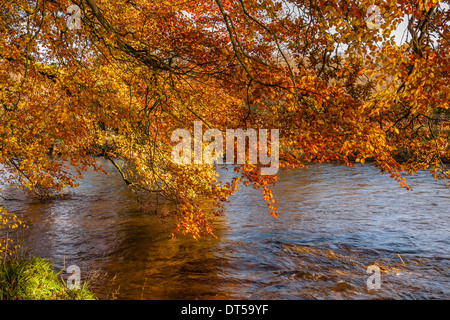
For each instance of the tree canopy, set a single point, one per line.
(116, 78)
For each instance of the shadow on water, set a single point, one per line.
(333, 223)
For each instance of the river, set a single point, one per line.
(333, 223)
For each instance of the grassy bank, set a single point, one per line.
(34, 279)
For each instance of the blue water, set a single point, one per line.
(333, 222)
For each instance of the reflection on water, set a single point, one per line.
(333, 222)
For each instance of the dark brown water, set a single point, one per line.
(333, 222)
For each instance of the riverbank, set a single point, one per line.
(33, 278)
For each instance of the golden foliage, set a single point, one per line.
(8, 221)
(135, 71)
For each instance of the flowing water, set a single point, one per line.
(333, 223)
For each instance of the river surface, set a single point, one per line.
(333, 223)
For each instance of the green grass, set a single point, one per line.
(34, 279)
